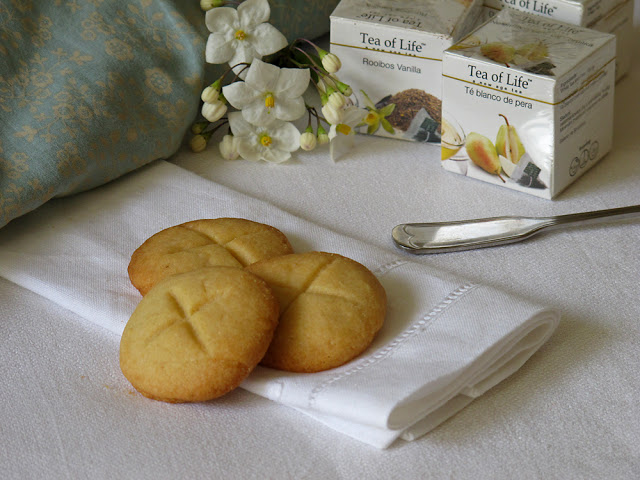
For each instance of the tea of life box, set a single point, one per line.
(528, 102)
(609, 16)
(391, 54)
(575, 12)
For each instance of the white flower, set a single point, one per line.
(342, 135)
(241, 35)
(229, 147)
(308, 141)
(269, 93)
(353, 116)
(272, 143)
(332, 114)
(214, 111)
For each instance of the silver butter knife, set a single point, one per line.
(489, 232)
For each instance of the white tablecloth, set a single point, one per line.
(572, 411)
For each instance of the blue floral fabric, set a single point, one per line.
(92, 89)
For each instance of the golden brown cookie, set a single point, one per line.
(331, 308)
(233, 242)
(197, 335)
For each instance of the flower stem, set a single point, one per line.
(222, 122)
(311, 59)
(245, 66)
(309, 117)
(314, 112)
(305, 40)
(230, 69)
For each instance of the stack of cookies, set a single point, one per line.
(221, 296)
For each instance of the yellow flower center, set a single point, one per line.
(269, 101)
(344, 129)
(265, 140)
(371, 118)
(241, 35)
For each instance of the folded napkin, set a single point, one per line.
(445, 341)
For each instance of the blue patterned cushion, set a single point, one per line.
(92, 89)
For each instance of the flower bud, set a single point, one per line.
(331, 63)
(332, 114)
(199, 142)
(209, 4)
(329, 84)
(337, 100)
(199, 127)
(324, 97)
(323, 137)
(229, 147)
(214, 111)
(344, 89)
(210, 94)
(308, 141)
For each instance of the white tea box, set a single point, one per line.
(575, 12)
(618, 20)
(391, 53)
(528, 102)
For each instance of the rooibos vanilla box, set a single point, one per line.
(391, 53)
(528, 102)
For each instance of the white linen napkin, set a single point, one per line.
(445, 341)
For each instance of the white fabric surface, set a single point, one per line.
(571, 412)
(444, 338)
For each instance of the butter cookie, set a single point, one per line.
(331, 309)
(196, 336)
(233, 242)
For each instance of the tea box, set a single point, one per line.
(391, 54)
(609, 16)
(528, 102)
